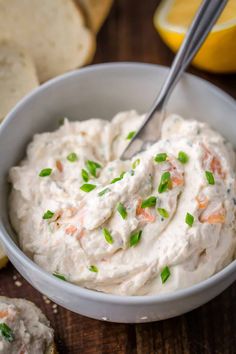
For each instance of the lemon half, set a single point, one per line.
(218, 53)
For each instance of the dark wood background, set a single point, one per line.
(129, 35)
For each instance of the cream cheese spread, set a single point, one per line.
(161, 222)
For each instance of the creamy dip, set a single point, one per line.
(23, 328)
(161, 222)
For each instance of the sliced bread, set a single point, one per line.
(52, 31)
(96, 12)
(17, 75)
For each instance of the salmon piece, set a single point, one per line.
(59, 166)
(80, 235)
(4, 313)
(70, 230)
(57, 215)
(212, 162)
(202, 202)
(176, 177)
(177, 180)
(146, 216)
(215, 218)
(216, 167)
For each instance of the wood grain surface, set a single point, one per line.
(128, 35)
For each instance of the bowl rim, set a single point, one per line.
(73, 289)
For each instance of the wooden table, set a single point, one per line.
(128, 35)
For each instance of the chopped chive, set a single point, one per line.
(160, 157)
(210, 177)
(6, 332)
(61, 121)
(131, 135)
(107, 236)
(45, 172)
(183, 157)
(59, 276)
(87, 187)
(165, 273)
(115, 180)
(135, 238)
(84, 175)
(93, 268)
(48, 215)
(163, 212)
(122, 210)
(189, 219)
(135, 163)
(149, 202)
(72, 157)
(104, 191)
(92, 167)
(118, 178)
(164, 182)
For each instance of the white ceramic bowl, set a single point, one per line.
(101, 91)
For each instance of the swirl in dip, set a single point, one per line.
(161, 222)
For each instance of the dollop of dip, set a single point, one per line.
(161, 222)
(23, 328)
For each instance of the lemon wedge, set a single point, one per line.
(3, 258)
(218, 53)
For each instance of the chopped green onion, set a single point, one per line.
(84, 175)
(165, 182)
(48, 215)
(61, 121)
(183, 157)
(93, 268)
(104, 191)
(189, 219)
(135, 238)
(6, 332)
(118, 178)
(87, 187)
(107, 236)
(45, 172)
(163, 212)
(165, 273)
(122, 210)
(72, 157)
(59, 276)
(149, 202)
(92, 167)
(160, 157)
(131, 135)
(210, 177)
(135, 163)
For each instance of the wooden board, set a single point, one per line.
(128, 35)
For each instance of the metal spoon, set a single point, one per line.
(150, 131)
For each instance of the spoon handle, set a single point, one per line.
(150, 131)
